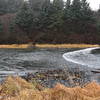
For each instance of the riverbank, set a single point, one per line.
(16, 88)
(57, 84)
(69, 77)
(65, 45)
(48, 46)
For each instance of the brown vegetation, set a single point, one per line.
(7, 36)
(15, 88)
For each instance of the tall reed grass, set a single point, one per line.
(15, 88)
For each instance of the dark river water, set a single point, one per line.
(22, 61)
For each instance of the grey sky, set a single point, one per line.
(94, 4)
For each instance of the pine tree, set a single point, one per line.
(44, 18)
(10, 6)
(46, 6)
(67, 10)
(51, 15)
(87, 17)
(76, 9)
(67, 17)
(56, 20)
(1, 27)
(3, 7)
(87, 14)
(14, 5)
(36, 6)
(58, 4)
(25, 19)
(68, 4)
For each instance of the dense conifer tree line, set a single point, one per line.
(54, 21)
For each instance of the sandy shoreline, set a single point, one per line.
(23, 46)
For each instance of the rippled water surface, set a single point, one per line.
(21, 61)
(88, 57)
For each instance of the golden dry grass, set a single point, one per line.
(48, 46)
(65, 45)
(15, 46)
(22, 90)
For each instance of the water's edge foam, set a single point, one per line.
(67, 56)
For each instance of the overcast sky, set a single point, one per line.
(94, 4)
